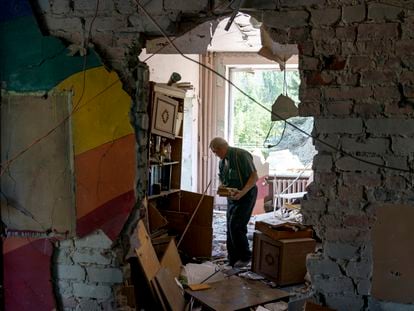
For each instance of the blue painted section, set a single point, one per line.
(30, 61)
(12, 9)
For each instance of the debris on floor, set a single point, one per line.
(199, 283)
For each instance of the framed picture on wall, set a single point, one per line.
(164, 115)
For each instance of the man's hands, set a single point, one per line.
(236, 195)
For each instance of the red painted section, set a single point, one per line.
(110, 217)
(104, 173)
(27, 275)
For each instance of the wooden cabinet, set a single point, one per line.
(165, 152)
(164, 182)
(282, 261)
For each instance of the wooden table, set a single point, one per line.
(235, 293)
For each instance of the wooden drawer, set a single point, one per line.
(282, 261)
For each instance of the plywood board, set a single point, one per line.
(236, 293)
(155, 219)
(195, 287)
(393, 253)
(170, 290)
(146, 253)
(37, 187)
(157, 293)
(171, 260)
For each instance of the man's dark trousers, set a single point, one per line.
(238, 216)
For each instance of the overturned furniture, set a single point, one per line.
(176, 215)
(280, 250)
(160, 274)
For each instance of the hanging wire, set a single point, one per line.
(6, 164)
(267, 136)
(264, 107)
(280, 139)
(284, 92)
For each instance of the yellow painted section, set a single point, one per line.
(101, 114)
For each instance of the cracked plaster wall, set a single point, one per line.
(356, 64)
(98, 152)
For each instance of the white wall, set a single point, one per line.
(162, 65)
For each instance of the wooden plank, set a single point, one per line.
(235, 293)
(171, 260)
(158, 295)
(195, 287)
(162, 239)
(155, 219)
(146, 253)
(170, 290)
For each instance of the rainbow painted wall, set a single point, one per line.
(103, 144)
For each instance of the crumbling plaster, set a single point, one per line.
(356, 65)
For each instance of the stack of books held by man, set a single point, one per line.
(226, 191)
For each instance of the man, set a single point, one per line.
(237, 171)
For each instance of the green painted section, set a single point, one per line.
(30, 61)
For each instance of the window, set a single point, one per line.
(250, 126)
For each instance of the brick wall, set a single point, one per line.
(357, 81)
(84, 272)
(356, 64)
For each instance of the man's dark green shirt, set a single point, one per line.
(236, 168)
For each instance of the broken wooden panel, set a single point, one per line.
(393, 253)
(155, 219)
(37, 186)
(235, 293)
(178, 209)
(171, 259)
(171, 293)
(146, 253)
(186, 202)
